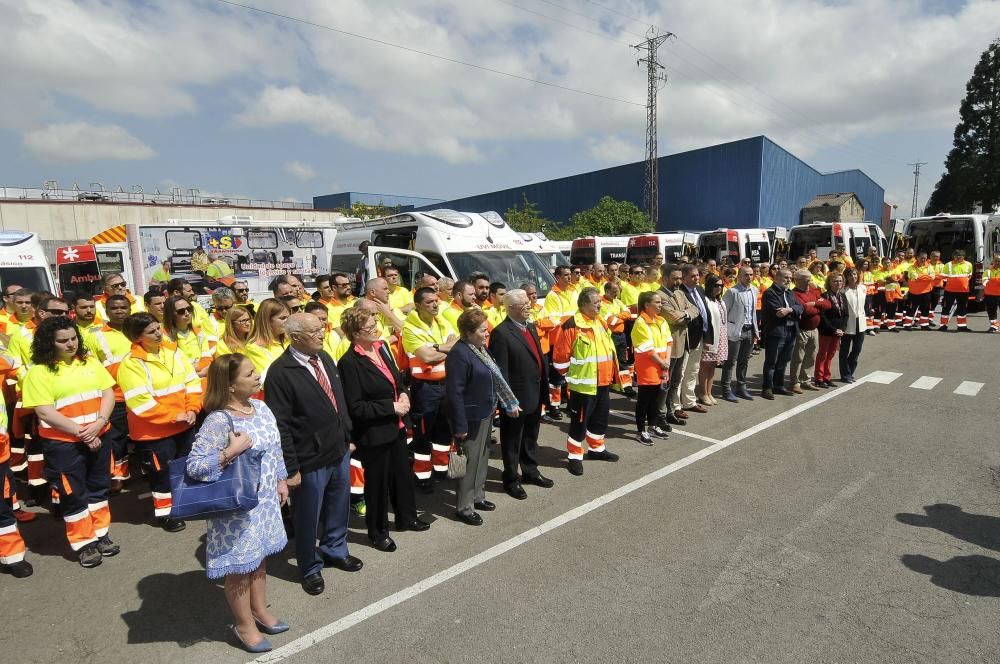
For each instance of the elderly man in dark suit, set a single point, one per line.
(780, 313)
(517, 351)
(303, 390)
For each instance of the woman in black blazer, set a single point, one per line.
(378, 403)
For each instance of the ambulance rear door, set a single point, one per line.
(411, 265)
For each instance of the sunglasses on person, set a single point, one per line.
(58, 312)
(180, 311)
(637, 272)
(242, 290)
(342, 284)
(117, 284)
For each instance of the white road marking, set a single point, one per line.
(674, 430)
(332, 629)
(925, 383)
(881, 377)
(968, 388)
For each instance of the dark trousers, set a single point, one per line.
(117, 438)
(588, 422)
(850, 351)
(11, 544)
(961, 303)
(81, 477)
(320, 507)
(919, 305)
(777, 353)
(739, 357)
(645, 406)
(992, 305)
(387, 477)
(519, 445)
(154, 458)
(431, 434)
(676, 378)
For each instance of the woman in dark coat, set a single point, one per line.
(378, 403)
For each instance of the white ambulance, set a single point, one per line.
(23, 262)
(443, 242)
(854, 237)
(589, 250)
(249, 250)
(736, 244)
(546, 249)
(643, 249)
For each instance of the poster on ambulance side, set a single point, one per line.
(210, 257)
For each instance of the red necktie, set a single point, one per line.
(324, 382)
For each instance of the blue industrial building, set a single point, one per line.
(751, 183)
(346, 199)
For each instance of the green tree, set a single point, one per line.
(365, 211)
(610, 217)
(972, 169)
(527, 218)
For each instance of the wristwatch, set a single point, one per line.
(437, 348)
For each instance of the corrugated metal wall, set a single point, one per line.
(749, 183)
(712, 187)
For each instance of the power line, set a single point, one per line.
(428, 53)
(826, 139)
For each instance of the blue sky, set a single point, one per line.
(198, 93)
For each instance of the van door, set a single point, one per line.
(860, 243)
(410, 264)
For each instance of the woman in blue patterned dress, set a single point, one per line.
(238, 544)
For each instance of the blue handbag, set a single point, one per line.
(234, 491)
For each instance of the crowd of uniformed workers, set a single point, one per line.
(102, 391)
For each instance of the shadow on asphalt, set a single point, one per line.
(975, 575)
(167, 614)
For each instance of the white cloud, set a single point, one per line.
(613, 149)
(300, 170)
(816, 76)
(76, 142)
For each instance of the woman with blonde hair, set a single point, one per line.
(238, 328)
(238, 544)
(268, 340)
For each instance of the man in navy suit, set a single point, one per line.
(303, 391)
(516, 349)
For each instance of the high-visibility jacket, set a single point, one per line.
(399, 298)
(893, 291)
(921, 279)
(879, 276)
(614, 314)
(650, 286)
(73, 388)
(335, 309)
(199, 314)
(629, 295)
(938, 274)
(543, 335)
(9, 369)
(157, 389)
(559, 306)
(343, 346)
(495, 314)
(20, 342)
(110, 347)
(196, 345)
(263, 356)
(218, 269)
(451, 314)
(991, 281)
(8, 322)
(762, 285)
(868, 279)
(330, 342)
(417, 334)
(585, 354)
(651, 336)
(958, 276)
(214, 328)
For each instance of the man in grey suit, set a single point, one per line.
(742, 330)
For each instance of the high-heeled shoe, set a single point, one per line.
(277, 628)
(263, 646)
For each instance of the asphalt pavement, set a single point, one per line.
(858, 524)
